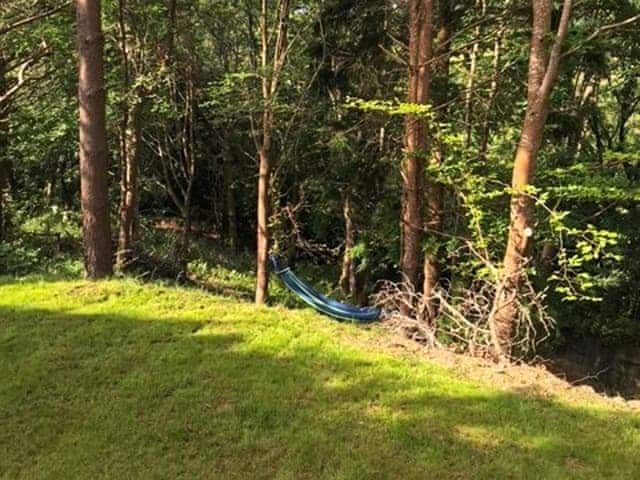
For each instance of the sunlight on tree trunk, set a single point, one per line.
(271, 69)
(543, 70)
(93, 142)
(419, 78)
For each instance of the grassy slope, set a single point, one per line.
(121, 380)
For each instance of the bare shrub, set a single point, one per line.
(463, 318)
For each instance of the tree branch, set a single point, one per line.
(22, 69)
(556, 50)
(33, 18)
(600, 31)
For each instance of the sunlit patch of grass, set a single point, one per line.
(119, 379)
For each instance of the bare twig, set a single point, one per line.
(33, 18)
(599, 31)
(22, 79)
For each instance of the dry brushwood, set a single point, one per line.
(463, 317)
(393, 297)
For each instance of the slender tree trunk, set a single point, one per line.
(348, 275)
(183, 248)
(493, 91)
(169, 42)
(468, 114)
(5, 166)
(188, 155)
(595, 121)
(584, 90)
(264, 171)
(292, 244)
(434, 199)
(130, 137)
(262, 273)
(6, 170)
(93, 142)
(3, 226)
(231, 205)
(269, 89)
(129, 185)
(420, 52)
(543, 71)
(289, 225)
(471, 79)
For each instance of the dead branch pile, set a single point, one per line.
(463, 316)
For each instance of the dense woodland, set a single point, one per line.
(473, 166)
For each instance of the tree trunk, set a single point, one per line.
(6, 168)
(543, 71)
(493, 90)
(585, 88)
(93, 142)
(188, 142)
(182, 253)
(505, 309)
(264, 171)
(231, 205)
(7, 179)
(471, 79)
(262, 273)
(348, 275)
(4, 162)
(434, 199)
(129, 185)
(420, 52)
(130, 137)
(292, 245)
(269, 89)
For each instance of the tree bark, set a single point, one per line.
(489, 115)
(543, 71)
(6, 172)
(348, 274)
(93, 142)
(4, 162)
(419, 79)
(129, 185)
(434, 198)
(264, 169)
(271, 69)
(189, 159)
(130, 137)
(231, 205)
(262, 273)
(471, 79)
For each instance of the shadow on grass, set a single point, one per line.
(215, 287)
(88, 396)
(278, 292)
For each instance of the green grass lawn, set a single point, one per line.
(123, 380)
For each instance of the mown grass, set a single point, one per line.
(122, 380)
